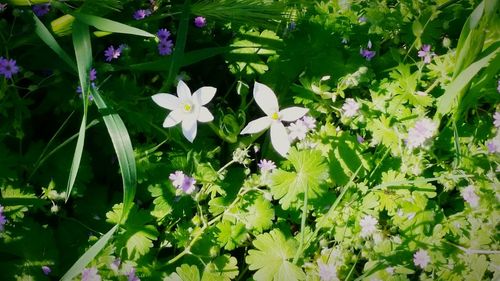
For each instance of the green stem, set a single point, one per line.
(302, 228)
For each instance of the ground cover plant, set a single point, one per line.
(249, 140)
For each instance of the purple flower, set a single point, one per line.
(3, 221)
(131, 275)
(115, 265)
(165, 47)
(266, 166)
(163, 34)
(141, 14)
(90, 274)
(362, 19)
(112, 53)
(200, 22)
(421, 258)
(350, 107)
(41, 9)
(423, 130)
(8, 67)
(46, 270)
(496, 119)
(498, 87)
(360, 139)
(425, 53)
(367, 54)
(177, 178)
(3, 7)
(92, 74)
(188, 185)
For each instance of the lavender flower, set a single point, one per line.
(496, 119)
(115, 265)
(327, 272)
(425, 53)
(266, 166)
(3, 220)
(368, 225)
(350, 107)
(360, 139)
(92, 74)
(309, 122)
(163, 34)
(470, 196)
(165, 47)
(188, 185)
(177, 178)
(90, 274)
(141, 14)
(41, 9)
(200, 22)
(362, 19)
(112, 53)
(421, 258)
(131, 275)
(494, 144)
(368, 54)
(3, 7)
(498, 87)
(8, 67)
(423, 130)
(46, 270)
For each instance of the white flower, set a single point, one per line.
(177, 178)
(496, 119)
(470, 196)
(423, 130)
(267, 101)
(297, 130)
(368, 225)
(327, 272)
(266, 166)
(186, 108)
(309, 122)
(350, 107)
(421, 258)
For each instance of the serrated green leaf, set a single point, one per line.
(138, 240)
(259, 215)
(184, 273)
(231, 235)
(271, 258)
(310, 170)
(223, 268)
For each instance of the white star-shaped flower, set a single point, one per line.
(267, 101)
(186, 108)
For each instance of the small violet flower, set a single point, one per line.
(327, 272)
(90, 274)
(163, 34)
(498, 86)
(186, 108)
(267, 101)
(183, 182)
(3, 220)
(3, 7)
(368, 54)
(177, 178)
(362, 19)
(425, 53)
(92, 74)
(350, 108)
(494, 144)
(368, 225)
(131, 275)
(496, 119)
(165, 45)
(41, 9)
(112, 53)
(266, 166)
(470, 196)
(8, 67)
(141, 14)
(423, 130)
(46, 270)
(200, 22)
(421, 258)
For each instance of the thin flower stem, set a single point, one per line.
(302, 228)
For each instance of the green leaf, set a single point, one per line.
(48, 39)
(271, 258)
(310, 170)
(184, 273)
(222, 268)
(231, 235)
(124, 151)
(89, 255)
(259, 215)
(417, 28)
(110, 26)
(83, 54)
(383, 133)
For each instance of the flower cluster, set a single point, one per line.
(112, 53)
(350, 108)
(425, 53)
(92, 78)
(165, 45)
(421, 258)
(41, 9)
(200, 22)
(8, 67)
(368, 225)
(182, 182)
(367, 53)
(299, 129)
(3, 220)
(493, 144)
(470, 196)
(91, 274)
(423, 130)
(141, 14)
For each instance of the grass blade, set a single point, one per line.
(89, 255)
(124, 152)
(83, 53)
(110, 25)
(47, 37)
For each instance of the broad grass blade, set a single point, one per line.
(110, 25)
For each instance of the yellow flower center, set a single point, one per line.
(188, 107)
(275, 116)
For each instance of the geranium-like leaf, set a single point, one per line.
(310, 171)
(223, 268)
(184, 273)
(231, 235)
(272, 257)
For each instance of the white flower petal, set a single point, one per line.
(183, 91)
(292, 113)
(257, 125)
(265, 98)
(205, 115)
(173, 118)
(167, 101)
(189, 128)
(279, 138)
(204, 95)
